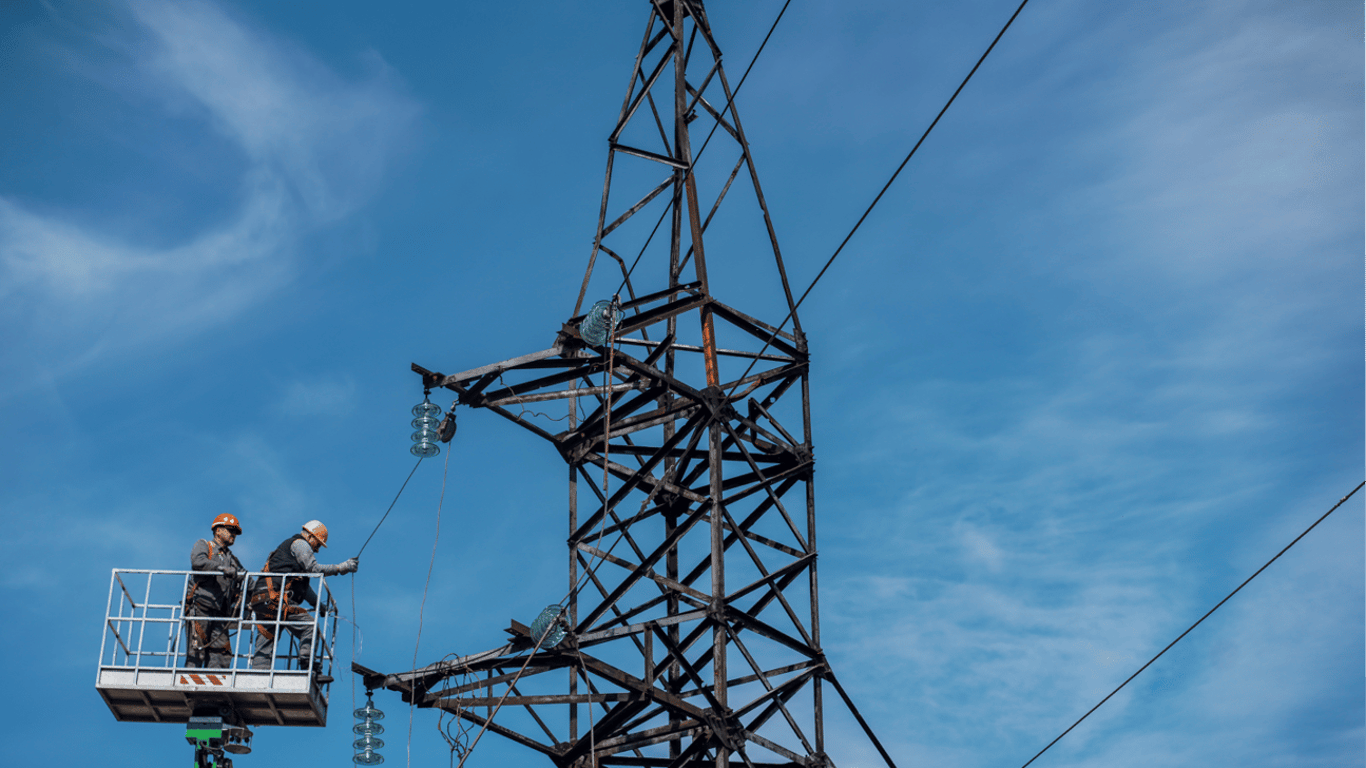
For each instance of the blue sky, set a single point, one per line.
(1092, 361)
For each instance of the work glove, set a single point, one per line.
(351, 566)
(230, 570)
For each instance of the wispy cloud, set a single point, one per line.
(313, 147)
(1055, 523)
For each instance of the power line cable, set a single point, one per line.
(885, 187)
(1342, 501)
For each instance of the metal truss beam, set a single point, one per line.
(689, 549)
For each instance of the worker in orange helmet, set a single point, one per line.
(280, 598)
(212, 598)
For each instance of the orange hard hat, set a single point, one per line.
(316, 528)
(228, 521)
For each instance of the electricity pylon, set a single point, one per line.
(691, 634)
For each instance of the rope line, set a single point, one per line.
(606, 498)
(355, 627)
(607, 422)
(885, 187)
(1341, 501)
(423, 605)
(391, 507)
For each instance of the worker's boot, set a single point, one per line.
(318, 676)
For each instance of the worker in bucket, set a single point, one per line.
(211, 600)
(280, 598)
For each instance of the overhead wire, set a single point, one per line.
(456, 743)
(1341, 501)
(524, 410)
(883, 191)
(354, 629)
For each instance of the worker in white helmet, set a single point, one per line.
(272, 600)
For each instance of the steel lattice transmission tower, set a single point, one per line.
(693, 635)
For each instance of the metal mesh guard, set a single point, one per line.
(547, 630)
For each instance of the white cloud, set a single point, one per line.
(327, 137)
(315, 146)
(78, 263)
(1237, 153)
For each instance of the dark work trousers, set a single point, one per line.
(266, 634)
(210, 635)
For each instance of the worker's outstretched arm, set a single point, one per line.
(304, 554)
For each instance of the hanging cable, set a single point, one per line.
(355, 628)
(541, 637)
(456, 742)
(423, 605)
(885, 187)
(390, 509)
(524, 411)
(1341, 501)
(607, 419)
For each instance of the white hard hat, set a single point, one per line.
(316, 528)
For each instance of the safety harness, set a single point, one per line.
(200, 629)
(273, 602)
